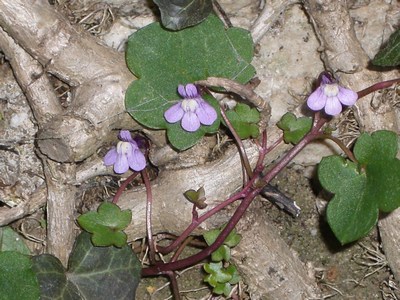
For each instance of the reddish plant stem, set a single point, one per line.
(174, 285)
(250, 193)
(149, 206)
(199, 220)
(313, 134)
(181, 248)
(378, 86)
(338, 142)
(123, 186)
(161, 268)
(196, 220)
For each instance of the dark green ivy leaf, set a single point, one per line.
(294, 129)
(179, 14)
(390, 55)
(98, 273)
(12, 241)
(53, 281)
(17, 278)
(106, 224)
(362, 189)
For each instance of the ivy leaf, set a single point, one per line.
(12, 241)
(232, 239)
(179, 14)
(222, 253)
(294, 129)
(17, 278)
(163, 59)
(217, 274)
(231, 269)
(94, 273)
(220, 278)
(244, 120)
(390, 55)
(222, 288)
(53, 280)
(362, 189)
(106, 224)
(198, 197)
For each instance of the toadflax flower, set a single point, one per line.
(193, 110)
(331, 96)
(126, 155)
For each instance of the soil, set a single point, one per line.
(356, 271)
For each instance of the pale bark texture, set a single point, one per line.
(334, 26)
(38, 40)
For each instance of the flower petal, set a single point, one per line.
(190, 122)
(125, 135)
(347, 96)
(111, 157)
(174, 113)
(317, 100)
(206, 113)
(333, 106)
(191, 91)
(136, 160)
(182, 91)
(121, 165)
(326, 79)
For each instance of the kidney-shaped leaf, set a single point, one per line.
(163, 59)
(106, 224)
(362, 189)
(94, 273)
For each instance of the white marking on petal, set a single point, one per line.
(333, 106)
(190, 122)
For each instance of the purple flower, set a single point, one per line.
(126, 155)
(193, 110)
(331, 96)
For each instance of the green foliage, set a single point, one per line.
(17, 278)
(362, 189)
(244, 120)
(221, 278)
(294, 129)
(106, 224)
(197, 197)
(390, 55)
(231, 240)
(163, 59)
(93, 273)
(12, 241)
(179, 14)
